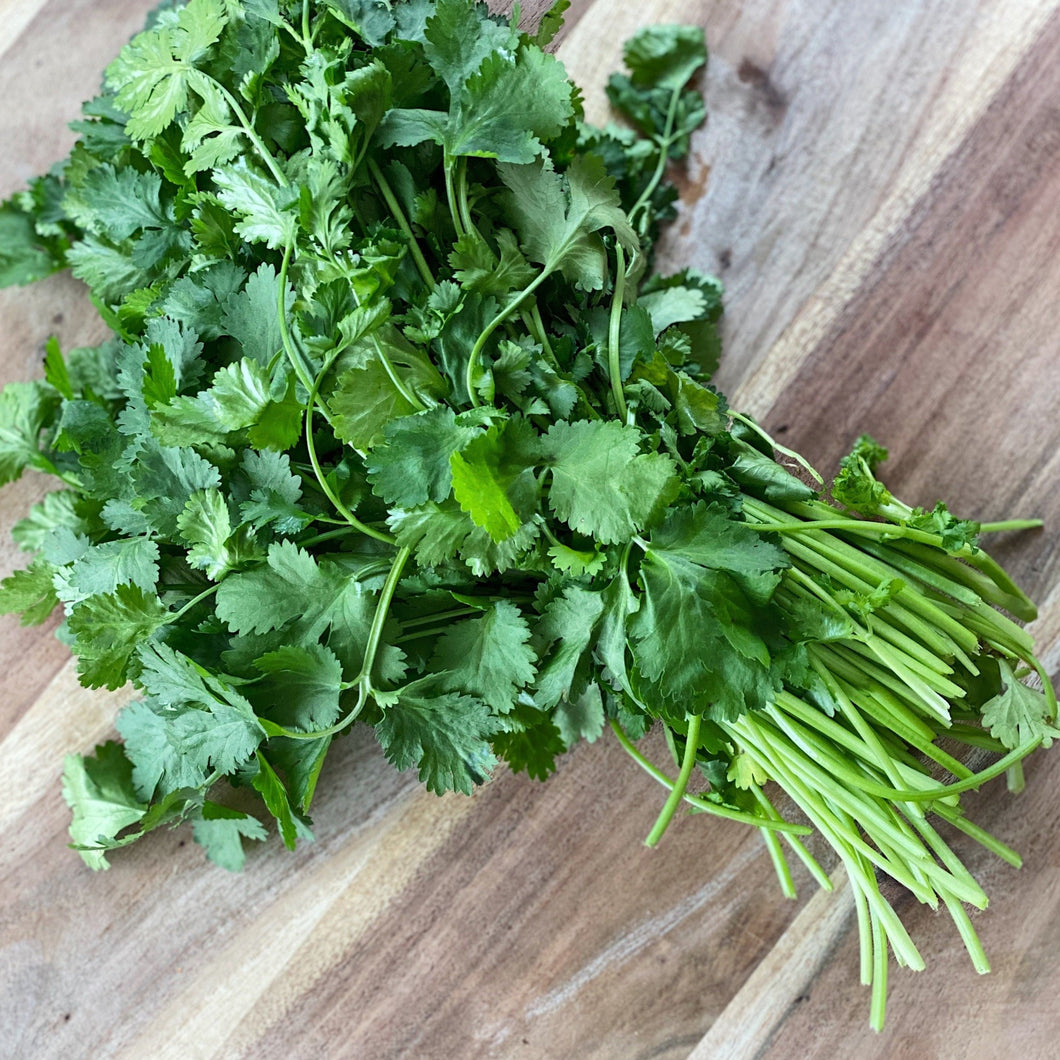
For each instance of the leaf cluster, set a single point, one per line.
(397, 426)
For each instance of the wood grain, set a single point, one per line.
(879, 185)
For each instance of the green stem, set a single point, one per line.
(402, 221)
(382, 609)
(440, 616)
(678, 790)
(1010, 524)
(397, 382)
(664, 154)
(192, 602)
(878, 1005)
(462, 200)
(293, 356)
(363, 679)
(971, 940)
(811, 863)
(266, 155)
(490, 328)
(542, 334)
(331, 495)
(864, 932)
(773, 443)
(705, 805)
(780, 864)
(952, 815)
(614, 333)
(450, 194)
(327, 535)
(312, 403)
(842, 838)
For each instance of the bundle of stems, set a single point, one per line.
(863, 763)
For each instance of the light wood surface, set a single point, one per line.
(879, 186)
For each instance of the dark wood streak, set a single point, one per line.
(929, 355)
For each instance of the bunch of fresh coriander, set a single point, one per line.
(399, 427)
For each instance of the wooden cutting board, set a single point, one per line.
(879, 187)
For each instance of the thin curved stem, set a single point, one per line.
(614, 333)
(363, 681)
(777, 824)
(480, 343)
(192, 602)
(398, 214)
(678, 791)
(330, 493)
(450, 195)
(664, 156)
(266, 155)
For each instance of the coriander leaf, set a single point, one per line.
(164, 478)
(25, 408)
(529, 742)
(371, 20)
(108, 629)
(270, 596)
(301, 688)
(488, 657)
(507, 109)
(116, 203)
(1018, 714)
(665, 56)
(582, 717)
(363, 402)
(493, 477)
(602, 485)
(29, 592)
(956, 533)
(251, 316)
(697, 632)
(24, 255)
(274, 794)
(435, 532)
(205, 525)
(445, 734)
(100, 569)
(220, 831)
(562, 638)
(551, 23)
(619, 604)
(152, 75)
(267, 210)
(459, 37)
(99, 790)
(558, 217)
(856, 485)
(477, 268)
(300, 761)
(412, 466)
(176, 747)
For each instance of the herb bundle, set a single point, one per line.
(399, 427)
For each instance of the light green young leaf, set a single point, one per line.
(99, 790)
(25, 408)
(1019, 713)
(29, 593)
(559, 217)
(221, 831)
